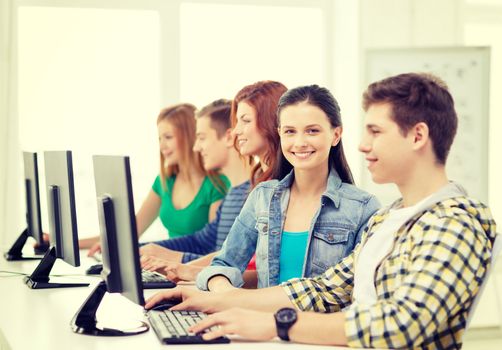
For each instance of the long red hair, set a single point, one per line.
(263, 96)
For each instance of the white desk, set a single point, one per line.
(40, 319)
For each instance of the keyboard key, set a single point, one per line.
(171, 327)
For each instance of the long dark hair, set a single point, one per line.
(323, 99)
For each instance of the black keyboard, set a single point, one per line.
(171, 327)
(154, 280)
(151, 280)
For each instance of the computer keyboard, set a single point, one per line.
(171, 327)
(154, 280)
(151, 280)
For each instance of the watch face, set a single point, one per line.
(286, 315)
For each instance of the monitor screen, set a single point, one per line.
(118, 231)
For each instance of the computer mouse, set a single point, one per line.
(166, 304)
(94, 269)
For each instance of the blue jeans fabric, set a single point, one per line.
(334, 231)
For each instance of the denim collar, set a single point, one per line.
(334, 183)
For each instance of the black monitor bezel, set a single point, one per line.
(33, 215)
(110, 174)
(115, 267)
(62, 222)
(32, 197)
(69, 252)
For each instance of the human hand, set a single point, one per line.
(181, 272)
(192, 299)
(160, 252)
(96, 248)
(152, 263)
(89, 243)
(249, 324)
(45, 239)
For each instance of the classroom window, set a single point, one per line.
(225, 47)
(88, 81)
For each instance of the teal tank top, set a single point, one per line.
(293, 247)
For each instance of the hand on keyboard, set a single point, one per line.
(249, 324)
(173, 327)
(181, 272)
(155, 250)
(155, 280)
(152, 263)
(192, 299)
(166, 304)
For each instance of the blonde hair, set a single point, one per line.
(182, 119)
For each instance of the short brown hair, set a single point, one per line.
(415, 98)
(218, 113)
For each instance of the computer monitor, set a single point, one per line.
(119, 246)
(62, 222)
(33, 217)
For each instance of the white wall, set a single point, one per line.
(428, 23)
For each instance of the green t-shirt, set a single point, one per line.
(182, 222)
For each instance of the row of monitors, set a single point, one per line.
(119, 239)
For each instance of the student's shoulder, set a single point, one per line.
(264, 189)
(458, 214)
(266, 185)
(157, 184)
(354, 193)
(463, 207)
(242, 188)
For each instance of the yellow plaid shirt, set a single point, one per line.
(425, 286)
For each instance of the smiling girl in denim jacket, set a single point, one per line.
(311, 218)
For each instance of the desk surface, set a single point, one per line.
(40, 319)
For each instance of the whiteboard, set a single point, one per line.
(466, 71)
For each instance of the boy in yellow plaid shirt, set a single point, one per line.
(411, 281)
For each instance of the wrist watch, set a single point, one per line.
(284, 319)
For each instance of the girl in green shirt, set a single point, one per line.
(184, 195)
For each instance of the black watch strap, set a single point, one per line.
(283, 333)
(285, 318)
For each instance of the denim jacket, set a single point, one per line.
(334, 231)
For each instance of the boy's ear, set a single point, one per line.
(229, 138)
(420, 134)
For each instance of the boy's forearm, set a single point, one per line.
(319, 328)
(265, 299)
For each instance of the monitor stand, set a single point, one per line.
(84, 321)
(40, 279)
(15, 253)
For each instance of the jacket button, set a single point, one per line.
(265, 228)
(330, 236)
